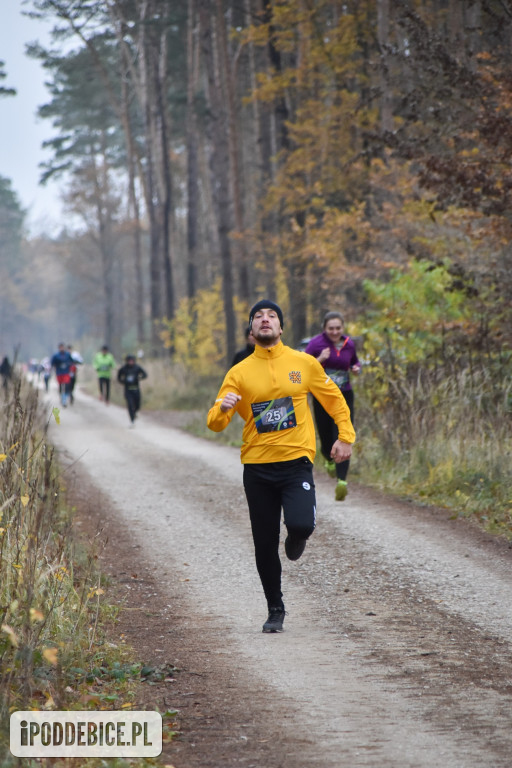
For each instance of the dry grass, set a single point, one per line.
(53, 612)
(49, 612)
(443, 438)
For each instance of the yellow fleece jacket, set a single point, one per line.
(273, 385)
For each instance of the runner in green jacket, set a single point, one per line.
(104, 363)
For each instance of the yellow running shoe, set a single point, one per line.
(340, 492)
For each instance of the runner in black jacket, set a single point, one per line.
(130, 374)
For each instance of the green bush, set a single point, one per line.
(433, 403)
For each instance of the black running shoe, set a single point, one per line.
(294, 547)
(274, 623)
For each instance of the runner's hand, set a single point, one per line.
(229, 402)
(341, 451)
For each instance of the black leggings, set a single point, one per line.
(268, 487)
(104, 385)
(328, 432)
(132, 397)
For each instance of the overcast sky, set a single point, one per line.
(21, 132)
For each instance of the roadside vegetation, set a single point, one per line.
(55, 615)
(434, 406)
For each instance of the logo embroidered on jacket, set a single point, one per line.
(295, 377)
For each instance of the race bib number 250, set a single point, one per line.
(273, 415)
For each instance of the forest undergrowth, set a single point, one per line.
(445, 443)
(55, 615)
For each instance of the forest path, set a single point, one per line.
(398, 636)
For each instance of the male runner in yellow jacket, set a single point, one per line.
(269, 389)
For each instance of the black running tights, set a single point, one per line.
(104, 385)
(328, 431)
(269, 487)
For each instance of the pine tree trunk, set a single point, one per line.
(219, 165)
(386, 112)
(151, 191)
(274, 138)
(192, 152)
(134, 211)
(165, 175)
(227, 69)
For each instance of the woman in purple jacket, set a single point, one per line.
(337, 353)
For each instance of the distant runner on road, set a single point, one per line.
(269, 389)
(104, 363)
(77, 360)
(62, 362)
(130, 374)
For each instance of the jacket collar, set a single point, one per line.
(270, 352)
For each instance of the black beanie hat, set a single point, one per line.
(266, 304)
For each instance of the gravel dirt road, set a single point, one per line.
(398, 635)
